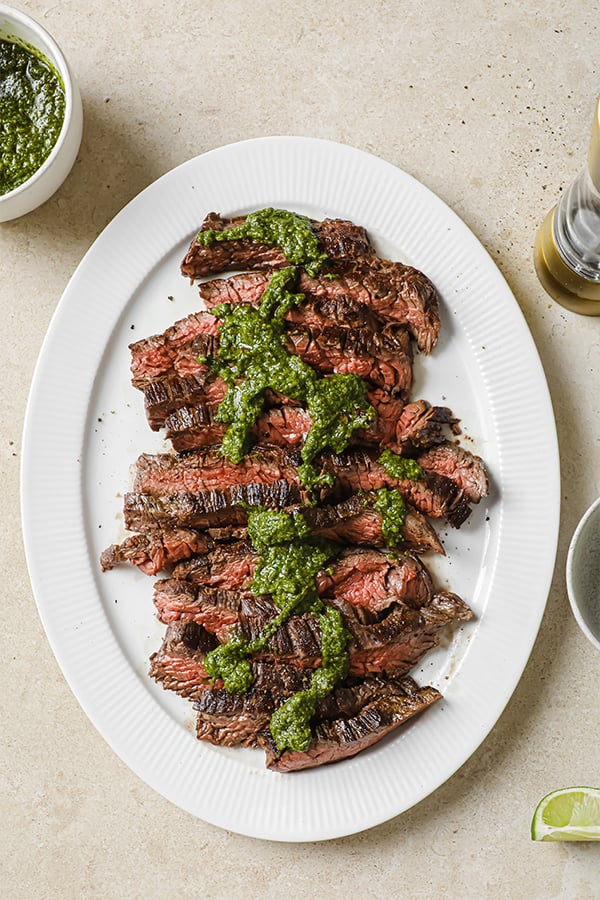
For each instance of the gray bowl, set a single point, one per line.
(583, 574)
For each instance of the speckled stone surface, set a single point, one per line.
(489, 105)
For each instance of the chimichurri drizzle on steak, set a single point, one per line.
(289, 561)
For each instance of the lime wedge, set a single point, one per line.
(570, 814)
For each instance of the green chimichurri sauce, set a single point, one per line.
(292, 233)
(32, 112)
(290, 723)
(252, 357)
(390, 505)
(400, 467)
(289, 560)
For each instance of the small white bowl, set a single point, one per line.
(18, 27)
(583, 574)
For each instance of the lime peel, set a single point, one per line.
(568, 814)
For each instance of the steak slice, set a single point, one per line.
(232, 719)
(178, 665)
(359, 576)
(356, 521)
(421, 425)
(192, 428)
(369, 578)
(395, 293)
(392, 644)
(353, 521)
(382, 358)
(341, 738)
(404, 429)
(459, 465)
(338, 238)
(218, 611)
(166, 394)
(205, 509)
(357, 470)
(152, 552)
(176, 350)
(434, 495)
(207, 469)
(316, 311)
(396, 643)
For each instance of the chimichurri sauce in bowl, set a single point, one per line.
(32, 112)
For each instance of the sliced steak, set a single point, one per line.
(176, 350)
(369, 578)
(332, 334)
(205, 509)
(358, 576)
(392, 644)
(352, 521)
(344, 737)
(397, 643)
(192, 428)
(231, 720)
(152, 552)
(208, 469)
(357, 470)
(339, 239)
(383, 359)
(355, 521)
(421, 425)
(397, 293)
(316, 311)
(178, 665)
(165, 395)
(459, 465)
(228, 567)
(237, 719)
(219, 611)
(394, 291)
(434, 495)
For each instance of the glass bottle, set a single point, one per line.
(567, 247)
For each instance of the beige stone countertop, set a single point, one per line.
(489, 105)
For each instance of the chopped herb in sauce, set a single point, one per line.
(290, 723)
(400, 467)
(32, 112)
(390, 505)
(292, 233)
(289, 561)
(252, 358)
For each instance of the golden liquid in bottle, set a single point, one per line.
(571, 290)
(572, 277)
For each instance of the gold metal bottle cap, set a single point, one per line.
(567, 287)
